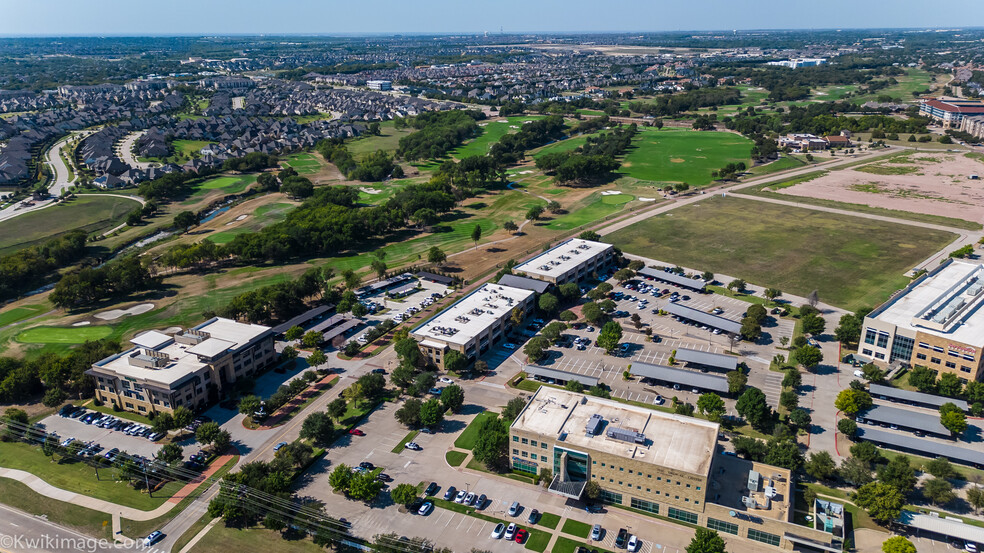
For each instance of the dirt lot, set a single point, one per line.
(933, 183)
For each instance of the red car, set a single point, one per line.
(356, 432)
(521, 535)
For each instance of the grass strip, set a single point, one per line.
(576, 528)
(406, 439)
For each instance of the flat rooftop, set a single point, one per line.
(672, 441)
(562, 258)
(182, 363)
(472, 314)
(946, 303)
(235, 332)
(730, 482)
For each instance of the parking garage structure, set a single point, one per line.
(905, 419)
(684, 378)
(698, 316)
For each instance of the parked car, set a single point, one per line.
(480, 502)
(621, 538)
(366, 465)
(461, 496)
(514, 508)
(596, 532)
(445, 380)
(356, 432)
(431, 488)
(498, 531)
(633, 543)
(426, 508)
(412, 445)
(470, 498)
(521, 535)
(534, 516)
(510, 530)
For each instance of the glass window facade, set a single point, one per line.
(610, 497)
(722, 526)
(902, 348)
(681, 515)
(523, 466)
(644, 505)
(763, 537)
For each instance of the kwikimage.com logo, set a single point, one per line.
(49, 542)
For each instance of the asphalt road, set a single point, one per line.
(24, 533)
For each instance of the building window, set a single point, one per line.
(722, 526)
(924, 345)
(523, 466)
(866, 352)
(951, 365)
(901, 348)
(869, 336)
(515, 438)
(681, 515)
(524, 454)
(532, 443)
(543, 445)
(643, 505)
(610, 497)
(921, 356)
(965, 368)
(879, 356)
(763, 537)
(935, 360)
(515, 452)
(525, 441)
(882, 339)
(938, 349)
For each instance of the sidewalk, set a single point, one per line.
(297, 401)
(190, 487)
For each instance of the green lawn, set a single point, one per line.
(598, 208)
(852, 262)
(304, 164)
(781, 164)
(567, 545)
(183, 149)
(64, 334)
(576, 528)
(231, 184)
(455, 458)
(92, 213)
(19, 313)
(90, 522)
(222, 539)
(398, 448)
(562, 145)
(468, 437)
(387, 141)
(537, 540)
(490, 134)
(80, 478)
(915, 80)
(674, 155)
(549, 520)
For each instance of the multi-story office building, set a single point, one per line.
(190, 368)
(570, 261)
(472, 324)
(950, 113)
(380, 85)
(656, 462)
(936, 321)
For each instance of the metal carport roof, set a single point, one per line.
(516, 281)
(682, 377)
(717, 360)
(302, 318)
(685, 281)
(340, 329)
(915, 397)
(709, 319)
(906, 418)
(926, 447)
(556, 374)
(942, 526)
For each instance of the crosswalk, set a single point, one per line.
(773, 387)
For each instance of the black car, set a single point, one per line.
(367, 465)
(621, 538)
(534, 516)
(431, 488)
(383, 477)
(379, 371)
(449, 494)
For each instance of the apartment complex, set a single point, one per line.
(950, 113)
(656, 462)
(973, 125)
(570, 261)
(473, 324)
(189, 368)
(936, 322)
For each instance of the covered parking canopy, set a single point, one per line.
(341, 329)
(906, 418)
(918, 398)
(706, 358)
(709, 319)
(673, 278)
(942, 526)
(689, 379)
(303, 318)
(556, 374)
(922, 446)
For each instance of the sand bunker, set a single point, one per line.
(524, 172)
(647, 199)
(611, 193)
(171, 330)
(81, 323)
(237, 219)
(370, 190)
(923, 182)
(114, 314)
(677, 160)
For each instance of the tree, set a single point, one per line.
(317, 358)
(789, 399)
(319, 428)
(170, 453)
(340, 477)
(975, 496)
(288, 353)
(336, 409)
(379, 267)
(923, 379)
(436, 255)
(610, 336)
(409, 413)
(567, 316)
(705, 541)
(800, 418)
(938, 491)
(882, 501)
(898, 544)
(592, 312)
(476, 234)
(813, 324)
(809, 356)
(783, 452)
(851, 401)
(182, 416)
(574, 386)
(898, 473)
(750, 330)
(711, 404)
(534, 213)
(293, 333)
(941, 467)
(365, 486)
(510, 226)
(848, 329)
(855, 471)
(512, 409)
(865, 451)
(404, 494)
(221, 441)
(736, 381)
(311, 339)
(455, 361)
(949, 385)
(813, 299)
(737, 285)
(548, 303)
(452, 398)
(592, 490)
(954, 421)
(185, 220)
(624, 275)
(753, 406)
(792, 379)
(491, 447)
(207, 432)
(165, 421)
(534, 349)
(431, 413)
(872, 373)
(820, 465)
(772, 294)
(847, 427)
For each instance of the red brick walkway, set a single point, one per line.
(217, 464)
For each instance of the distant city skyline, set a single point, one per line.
(187, 17)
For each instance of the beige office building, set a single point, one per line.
(570, 261)
(190, 368)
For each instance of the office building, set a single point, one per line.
(380, 85)
(657, 462)
(472, 324)
(190, 368)
(951, 113)
(936, 321)
(570, 261)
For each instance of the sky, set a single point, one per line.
(215, 17)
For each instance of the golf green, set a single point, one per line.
(675, 155)
(63, 335)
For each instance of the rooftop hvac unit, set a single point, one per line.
(753, 481)
(767, 504)
(624, 435)
(770, 492)
(975, 289)
(594, 425)
(748, 502)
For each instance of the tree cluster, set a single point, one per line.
(26, 269)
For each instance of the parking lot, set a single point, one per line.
(73, 428)
(392, 308)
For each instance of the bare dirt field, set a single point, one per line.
(923, 182)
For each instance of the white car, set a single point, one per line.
(510, 530)
(445, 380)
(633, 544)
(425, 508)
(461, 496)
(498, 531)
(859, 374)
(153, 538)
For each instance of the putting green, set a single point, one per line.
(63, 335)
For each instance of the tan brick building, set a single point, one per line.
(189, 368)
(657, 462)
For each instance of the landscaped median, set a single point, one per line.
(406, 439)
